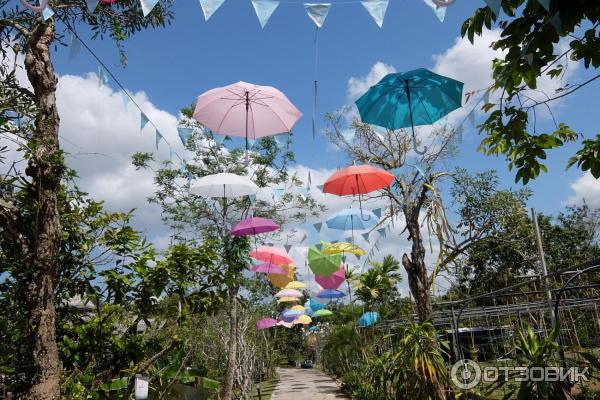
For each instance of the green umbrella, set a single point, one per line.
(323, 264)
(322, 313)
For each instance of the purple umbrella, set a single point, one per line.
(265, 323)
(332, 281)
(269, 268)
(254, 226)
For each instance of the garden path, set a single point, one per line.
(305, 384)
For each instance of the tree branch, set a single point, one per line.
(15, 25)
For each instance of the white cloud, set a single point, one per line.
(586, 188)
(359, 85)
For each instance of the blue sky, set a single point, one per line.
(176, 64)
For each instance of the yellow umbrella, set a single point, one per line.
(280, 281)
(295, 285)
(288, 300)
(343, 247)
(298, 308)
(303, 319)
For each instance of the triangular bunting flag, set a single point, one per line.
(264, 9)
(397, 172)
(440, 12)
(471, 118)
(252, 198)
(102, 78)
(486, 97)
(556, 22)
(210, 6)
(91, 5)
(185, 134)
(377, 212)
(365, 236)
(182, 168)
(126, 99)
(144, 121)
(219, 139)
(317, 12)
(348, 239)
(158, 138)
(381, 232)
(377, 9)
(494, 5)
(277, 193)
(545, 4)
(147, 6)
(320, 187)
(47, 13)
(287, 247)
(529, 58)
(318, 226)
(75, 47)
(348, 135)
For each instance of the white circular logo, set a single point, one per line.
(465, 374)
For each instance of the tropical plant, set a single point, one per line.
(377, 286)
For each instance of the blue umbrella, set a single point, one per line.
(351, 218)
(330, 294)
(368, 319)
(290, 315)
(417, 97)
(314, 305)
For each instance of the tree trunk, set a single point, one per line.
(232, 347)
(418, 279)
(45, 167)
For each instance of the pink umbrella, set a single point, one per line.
(332, 281)
(265, 323)
(273, 255)
(289, 293)
(285, 324)
(269, 268)
(254, 226)
(246, 110)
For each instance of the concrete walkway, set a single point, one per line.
(305, 384)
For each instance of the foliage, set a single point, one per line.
(531, 36)
(376, 287)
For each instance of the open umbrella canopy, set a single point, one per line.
(281, 281)
(322, 313)
(302, 320)
(254, 226)
(343, 247)
(289, 314)
(269, 268)
(314, 305)
(265, 323)
(314, 328)
(289, 293)
(285, 324)
(287, 300)
(368, 319)
(224, 185)
(330, 294)
(246, 110)
(332, 281)
(357, 179)
(295, 285)
(298, 308)
(351, 219)
(273, 255)
(323, 264)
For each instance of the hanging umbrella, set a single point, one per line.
(302, 320)
(285, 324)
(246, 110)
(350, 219)
(314, 328)
(314, 305)
(224, 185)
(298, 308)
(254, 226)
(287, 300)
(368, 319)
(273, 255)
(343, 247)
(265, 323)
(307, 310)
(332, 281)
(295, 285)
(323, 264)
(269, 268)
(289, 293)
(281, 281)
(330, 294)
(287, 314)
(417, 97)
(322, 313)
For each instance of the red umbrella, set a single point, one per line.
(272, 255)
(357, 180)
(332, 281)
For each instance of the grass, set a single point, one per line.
(266, 389)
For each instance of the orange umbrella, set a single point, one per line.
(273, 255)
(357, 179)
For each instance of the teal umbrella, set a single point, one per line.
(413, 98)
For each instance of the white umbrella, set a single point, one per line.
(224, 185)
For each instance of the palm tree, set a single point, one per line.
(378, 284)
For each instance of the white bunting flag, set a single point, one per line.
(75, 47)
(377, 212)
(365, 236)
(102, 78)
(377, 9)
(158, 138)
(185, 134)
(317, 12)
(47, 13)
(318, 226)
(264, 9)
(440, 12)
(147, 6)
(210, 6)
(144, 121)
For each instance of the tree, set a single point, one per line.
(377, 286)
(414, 196)
(530, 37)
(195, 219)
(32, 123)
